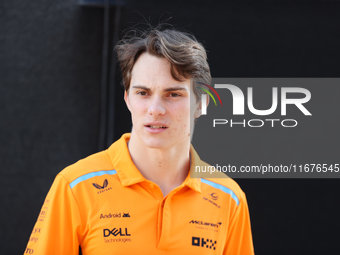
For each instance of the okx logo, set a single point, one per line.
(202, 242)
(102, 188)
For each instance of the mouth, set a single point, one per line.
(156, 127)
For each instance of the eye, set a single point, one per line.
(141, 93)
(174, 95)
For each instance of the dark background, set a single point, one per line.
(50, 94)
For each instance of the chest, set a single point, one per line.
(138, 221)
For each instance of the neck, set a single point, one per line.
(166, 167)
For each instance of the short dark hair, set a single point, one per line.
(187, 57)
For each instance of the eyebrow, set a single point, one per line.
(166, 90)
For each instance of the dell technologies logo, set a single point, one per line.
(116, 232)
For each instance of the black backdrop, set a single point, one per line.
(50, 74)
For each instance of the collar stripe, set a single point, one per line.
(221, 187)
(90, 175)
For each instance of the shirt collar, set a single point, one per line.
(128, 172)
(122, 162)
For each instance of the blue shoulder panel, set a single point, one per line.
(221, 187)
(90, 175)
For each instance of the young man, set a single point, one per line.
(137, 197)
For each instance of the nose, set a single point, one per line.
(156, 106)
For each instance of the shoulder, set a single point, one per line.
(214, 180)
(220, 181)
(96, 162)
(227, 185)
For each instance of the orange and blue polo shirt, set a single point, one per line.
(104, 204)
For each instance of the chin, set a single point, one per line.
(153, 144)
(165, 144)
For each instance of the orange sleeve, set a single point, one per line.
(58, 228)
(239, 239)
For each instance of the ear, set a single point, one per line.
(126, 99)
(198, 111)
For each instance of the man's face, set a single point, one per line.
(160, 105)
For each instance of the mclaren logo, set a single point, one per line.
(207, 224)
(102, 188)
